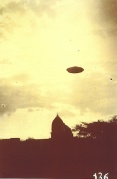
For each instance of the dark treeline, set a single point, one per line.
(103, 130)
(93, 151)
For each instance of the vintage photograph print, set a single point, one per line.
(58, 89)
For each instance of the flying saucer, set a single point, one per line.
(75, 69)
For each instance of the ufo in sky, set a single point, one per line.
(75, 69)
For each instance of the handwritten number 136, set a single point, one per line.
(100, 176)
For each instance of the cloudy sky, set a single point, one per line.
(39, 39)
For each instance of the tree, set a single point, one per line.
(99, 129)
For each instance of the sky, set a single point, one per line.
(39, 40)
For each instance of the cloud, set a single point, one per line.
(24, 14)
(103, 18)
(17, 95)
(13, 7)
(108, 12)
(112, 32)
(67, 112)
(97, 95)
(39, 7)
(104, 12)
(103, 15)
(22, 77)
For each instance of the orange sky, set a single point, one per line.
(39, 39)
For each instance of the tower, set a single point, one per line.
(60, 131)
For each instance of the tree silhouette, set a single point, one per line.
(99, 129)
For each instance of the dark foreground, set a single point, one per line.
(78, 158)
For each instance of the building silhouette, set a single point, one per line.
(60, 131)
(61, 156)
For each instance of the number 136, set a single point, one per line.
(100, 176)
